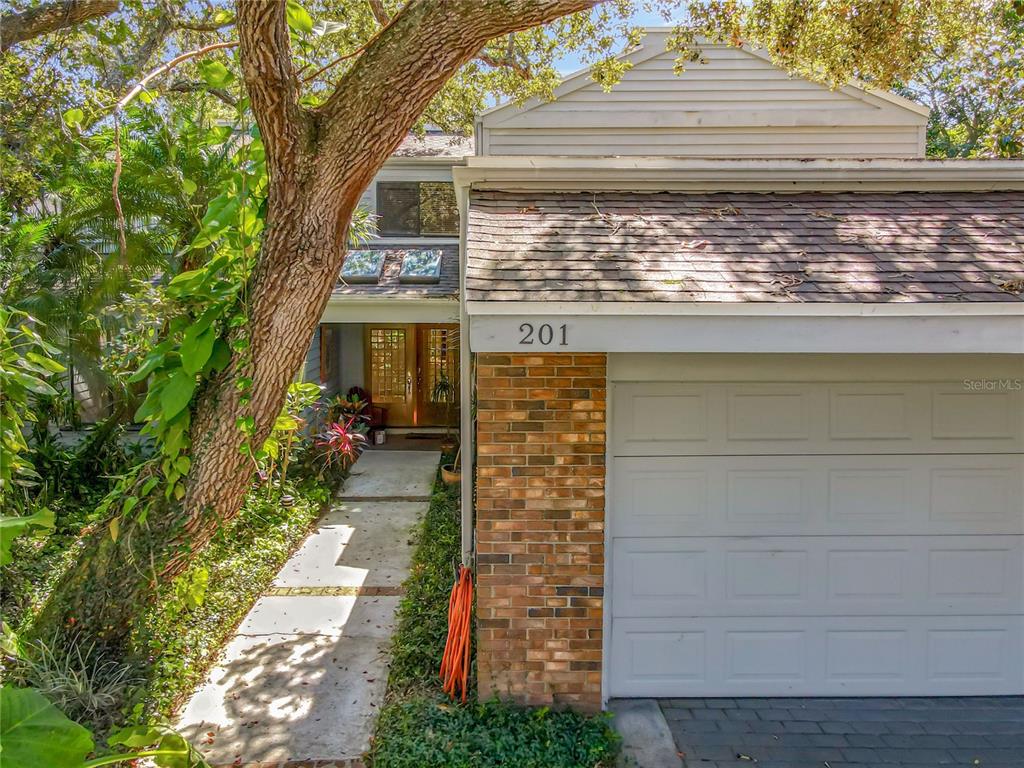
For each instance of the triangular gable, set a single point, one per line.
(733, 96)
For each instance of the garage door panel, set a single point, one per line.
(817, 576)
(820, 495)
(819, 536)
(720, 418)
(848, 656)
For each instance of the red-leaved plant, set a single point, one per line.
(339, 446)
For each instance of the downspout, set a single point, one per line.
(466, 425)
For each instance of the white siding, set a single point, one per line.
(735, 104)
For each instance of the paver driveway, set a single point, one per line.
(304, 676)
(843, 733)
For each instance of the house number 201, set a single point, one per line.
(544, 334)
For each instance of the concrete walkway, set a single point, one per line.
(304, 676)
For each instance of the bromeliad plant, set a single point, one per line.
(338, 447)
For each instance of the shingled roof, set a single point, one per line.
(436, 144)
(749, 247)
(389, 283)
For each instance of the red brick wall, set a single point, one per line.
(540, 527)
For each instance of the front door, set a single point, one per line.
(437, 375)
(391, 364)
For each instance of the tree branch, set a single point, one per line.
(164, 68)
(509, 60)
(18, 27)
(444, 36)
(187, 86)
(139, 60)
(377, 9)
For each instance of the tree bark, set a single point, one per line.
(319, 162)
(18, 27)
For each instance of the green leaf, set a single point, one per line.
(185, 277)
(215, 74)
(148, 486)
(74, 117)
(177, 393)
(196, 347)
(299, 19)
(45, 362)
(189, 187)
(183, 464)
(129, 504)
(13, 526)
(220, 356)
(150, 364)
(285, 423)
(136, 736)
(31, 383)
(34, 733)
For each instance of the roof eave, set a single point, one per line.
(646, 173)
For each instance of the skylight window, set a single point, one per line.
(362, 267)
(421, 266)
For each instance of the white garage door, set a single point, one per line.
(818, 525)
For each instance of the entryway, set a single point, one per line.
(412, 371)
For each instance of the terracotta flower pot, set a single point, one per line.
(450, 474)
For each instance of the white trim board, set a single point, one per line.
(799, 334)
(744, 309)
(660, 173)
(352, 309)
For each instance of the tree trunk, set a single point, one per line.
(319, 162)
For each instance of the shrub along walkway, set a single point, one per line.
(303, 678)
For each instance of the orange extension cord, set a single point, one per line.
(455, 662)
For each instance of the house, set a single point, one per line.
(748, 376)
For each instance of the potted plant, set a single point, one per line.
(444, 392)
(452, 473)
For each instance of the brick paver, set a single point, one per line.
(982, 732)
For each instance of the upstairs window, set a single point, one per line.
(417, 209)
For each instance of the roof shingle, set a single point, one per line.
(746, 247)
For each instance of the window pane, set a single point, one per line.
(439, 215)
(398, 208)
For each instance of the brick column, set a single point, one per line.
(540, 527)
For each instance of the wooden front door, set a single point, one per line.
(437, 361)
(391, 371)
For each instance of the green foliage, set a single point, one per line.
(208, 315)
(26, 365)
(423, 614)
(975, 89)
(425, 733)
(12, 526)
(77, 680)
(419, 727)
(34, 733)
